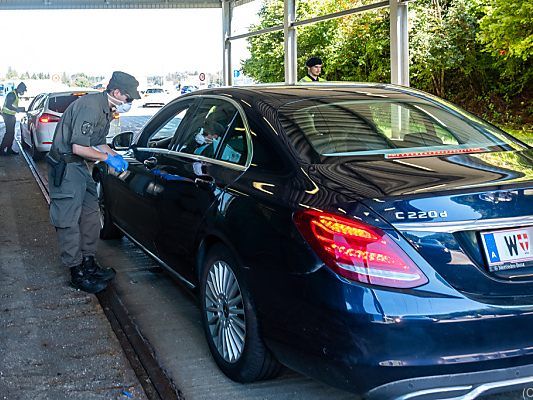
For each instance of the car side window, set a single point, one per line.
(37, 102)
(159, 133)
(234, 147)
(212, 121)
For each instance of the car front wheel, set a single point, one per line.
(230, 322)
(108, 230)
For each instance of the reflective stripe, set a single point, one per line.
(6, 110)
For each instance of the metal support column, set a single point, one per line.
(227, 12)
(289, 33)
(399, 43)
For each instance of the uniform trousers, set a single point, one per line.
(7, 141)
(74, 212)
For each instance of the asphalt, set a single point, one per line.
(55, 341)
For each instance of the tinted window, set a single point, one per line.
(154, 91)
(360, 127)
(160, 131)
(212, 121)
(60, 103)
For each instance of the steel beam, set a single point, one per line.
(290, 41)
(399, 43)
(227, 13)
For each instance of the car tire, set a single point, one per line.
(108, 229)
(36, 155)
(240, 352)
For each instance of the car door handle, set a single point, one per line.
(206, 182)
(150, 162)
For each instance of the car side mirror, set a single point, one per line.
(122, 141)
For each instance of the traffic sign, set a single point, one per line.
(236, 73)
(201, 76)
(56, 78)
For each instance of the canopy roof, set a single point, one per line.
(111, 4)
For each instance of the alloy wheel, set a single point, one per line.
(224, 309)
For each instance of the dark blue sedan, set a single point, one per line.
(371, 236)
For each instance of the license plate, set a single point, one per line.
(508, 249)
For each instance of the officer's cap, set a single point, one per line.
(21, 87)
(313, 61)
(124, 82)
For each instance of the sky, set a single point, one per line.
(143, 42)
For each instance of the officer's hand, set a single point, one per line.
(124, 162)
(116, 162)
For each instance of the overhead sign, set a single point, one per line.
(236, 73)
(201, 76)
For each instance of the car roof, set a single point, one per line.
(276, 95)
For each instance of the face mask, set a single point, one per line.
(122, 108)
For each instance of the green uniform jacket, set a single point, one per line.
(85, 122)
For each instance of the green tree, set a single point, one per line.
(11, 73)
(506, 31)
(81, 80)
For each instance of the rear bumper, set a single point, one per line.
(463, 386)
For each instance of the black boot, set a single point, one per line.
(92, 267)
(83, 280)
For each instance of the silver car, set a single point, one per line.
(44, 112)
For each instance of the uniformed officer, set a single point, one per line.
(9, 110)
(314, 68)
(81, 135)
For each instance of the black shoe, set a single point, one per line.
(11, 152)
(82, 280)
(92, 267)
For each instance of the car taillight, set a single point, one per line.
(358, 251)
(45, 118)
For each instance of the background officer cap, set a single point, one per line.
(313, 61)
(21, 87)
(124, 82)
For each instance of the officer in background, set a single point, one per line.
(9, 110)
(81, 135)
(314, 68)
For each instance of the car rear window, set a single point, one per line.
(154, 91)
(60, 103)
(391, 128)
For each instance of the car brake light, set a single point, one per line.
(358, 251)
(45, 118)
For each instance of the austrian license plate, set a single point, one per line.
(508, 249)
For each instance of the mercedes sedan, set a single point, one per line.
(372, 236)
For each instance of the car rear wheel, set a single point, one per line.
(35, 154)
(108, 230)
(230, 322)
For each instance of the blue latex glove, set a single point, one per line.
(116, 162)
(124, 162)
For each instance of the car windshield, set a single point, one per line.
(60, 103)
(389, 128)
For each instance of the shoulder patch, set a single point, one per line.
(87, 128)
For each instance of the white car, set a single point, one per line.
(156, 96)
(44, 112)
